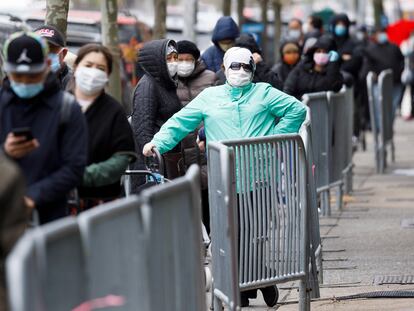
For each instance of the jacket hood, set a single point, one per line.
(340, 18)
(247, 41)
(325, 42)
(152, 59)
(226, 28)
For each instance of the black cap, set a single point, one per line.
(51, 34)
(25, 52)
(188, 47)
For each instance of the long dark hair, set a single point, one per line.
(98, 48)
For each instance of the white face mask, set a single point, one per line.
(238, 78)
(172, 68)
(185, 68)
(90, 81)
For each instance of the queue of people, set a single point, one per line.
(69, 137)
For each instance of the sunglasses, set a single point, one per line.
(237, 66)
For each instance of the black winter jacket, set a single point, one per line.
(155, 98)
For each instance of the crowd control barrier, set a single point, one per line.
(382, 116)
(268, 190)
(332, 125)
(140, 253)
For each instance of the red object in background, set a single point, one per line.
(400, 31)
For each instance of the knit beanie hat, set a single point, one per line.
(188, 47)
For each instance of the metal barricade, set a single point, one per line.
(223, 226)
(272, 205)
(316, 271)
(349, 121)
(382, 116)
(320, 116)
(57, 253)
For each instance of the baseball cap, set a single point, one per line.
(25, 52)
(51, 34)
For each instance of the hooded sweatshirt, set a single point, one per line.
(281, 68)
(226, 28)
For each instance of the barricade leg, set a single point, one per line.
(319, 264)
(392, 151)
(339, 194)
(304, 296)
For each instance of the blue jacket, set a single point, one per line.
(57, 166)
(225, 28)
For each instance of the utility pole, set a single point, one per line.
(240, 8)
(57, 14)
(109, 11)
(160, 28)
(190, 20)
(277, 25)
(264, 6)
(226, 7)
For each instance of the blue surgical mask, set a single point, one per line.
(54, 58)
(382, 38)
(24, 90)
(340, 30)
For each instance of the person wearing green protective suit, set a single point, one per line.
(237, 109)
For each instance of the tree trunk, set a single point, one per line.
(57, 14)
(378, 12)
(240, 7)
(226, 7)
(109, 10)
(277, 8)
(264, 6)
(190, 20)
(160, 9)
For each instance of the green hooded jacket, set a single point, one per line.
(233, 113)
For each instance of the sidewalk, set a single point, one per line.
(366, 240)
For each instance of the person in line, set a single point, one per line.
(224, 35)
(295, 31)
(381, 55)
(14, 216)
(258, 106)
(318, 71)
(193, 78)
(57, 53)
(42, 128)
(263, 72)
(313, 27)
(155, 100)
(111, 143)
(289, 58)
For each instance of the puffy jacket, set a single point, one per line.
(189, 87)
(155, 98)
(57, 166)
(304, 79)
(231, 113)
(225, 28)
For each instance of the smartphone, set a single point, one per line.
(23, 131)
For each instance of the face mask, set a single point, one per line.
(321, 59)
(54, 58)
(172, 68)
(360, 36)
(340, 30)
(225, 46)
(26, 90)
(291, 58)
(185, 68)
(238, 78)
(90, 81)
(294, 34)
(382, 37)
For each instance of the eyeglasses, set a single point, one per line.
(237, 66)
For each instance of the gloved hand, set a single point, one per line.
(333, 56)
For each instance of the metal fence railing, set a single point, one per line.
(139, 253)
(380, 92)
(270, 196)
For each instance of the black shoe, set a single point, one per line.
(270, 295)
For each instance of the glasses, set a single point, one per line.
(237, 66)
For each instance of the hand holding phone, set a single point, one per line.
(20, 143)
(23, 131)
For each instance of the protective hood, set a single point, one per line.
(325, 42)
(152, 59)
(285, 42)
(340, 18)
(226, 28)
